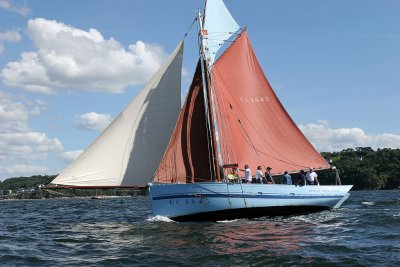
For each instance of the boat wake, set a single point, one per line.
(228, 221)
(368, 203)
(159, 218)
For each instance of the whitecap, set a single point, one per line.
(368, 203)
(159, 218)
(228, 221)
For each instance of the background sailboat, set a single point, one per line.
(129, 150)
(232, 116)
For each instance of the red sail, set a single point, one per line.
(187, 156)
(254, 128)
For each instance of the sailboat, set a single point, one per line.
(127, 153)
(232, 117)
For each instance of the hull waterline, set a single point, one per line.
(222, 201)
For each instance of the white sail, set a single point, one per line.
(219, 25)
(129, 150)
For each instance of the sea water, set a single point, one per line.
(365, 231)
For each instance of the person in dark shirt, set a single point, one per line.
(301, 180)
(268, 176)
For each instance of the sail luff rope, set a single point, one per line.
(216, 126)
(214, 102)
(213, 126)
(228, 130)
(237, 33)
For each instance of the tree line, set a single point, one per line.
(365, 168)
(25, 182)
(362, 167)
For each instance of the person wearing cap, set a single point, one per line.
(311, 177)
(268, 176)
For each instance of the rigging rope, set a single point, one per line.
(190, 28)
(259, 134)
(257, 150)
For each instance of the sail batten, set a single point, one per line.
(129, 150)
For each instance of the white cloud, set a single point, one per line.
(11, 110)
(28, 145)
(22, 169)
(326, 139)
(23, 154)
(70, 156)
(20, 146)
(68, 57)
(9, 5)
(93, 121)
(9, 36)
(15, 111)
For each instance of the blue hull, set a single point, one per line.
(220, 201)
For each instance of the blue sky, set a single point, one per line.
(68, 67)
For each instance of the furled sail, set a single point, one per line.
(219, 25)
(254, 128)
(187, 156)
(129, 150)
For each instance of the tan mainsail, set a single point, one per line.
(254, 128)
(128, 152)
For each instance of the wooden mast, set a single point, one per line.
(212, 129)
(208, 100)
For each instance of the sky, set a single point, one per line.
(67, 68)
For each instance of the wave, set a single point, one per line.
(228, 221)
(368, 203)
(159, 218)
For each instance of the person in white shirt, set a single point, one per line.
(311, 177)
(259, 175)
(247, 173)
